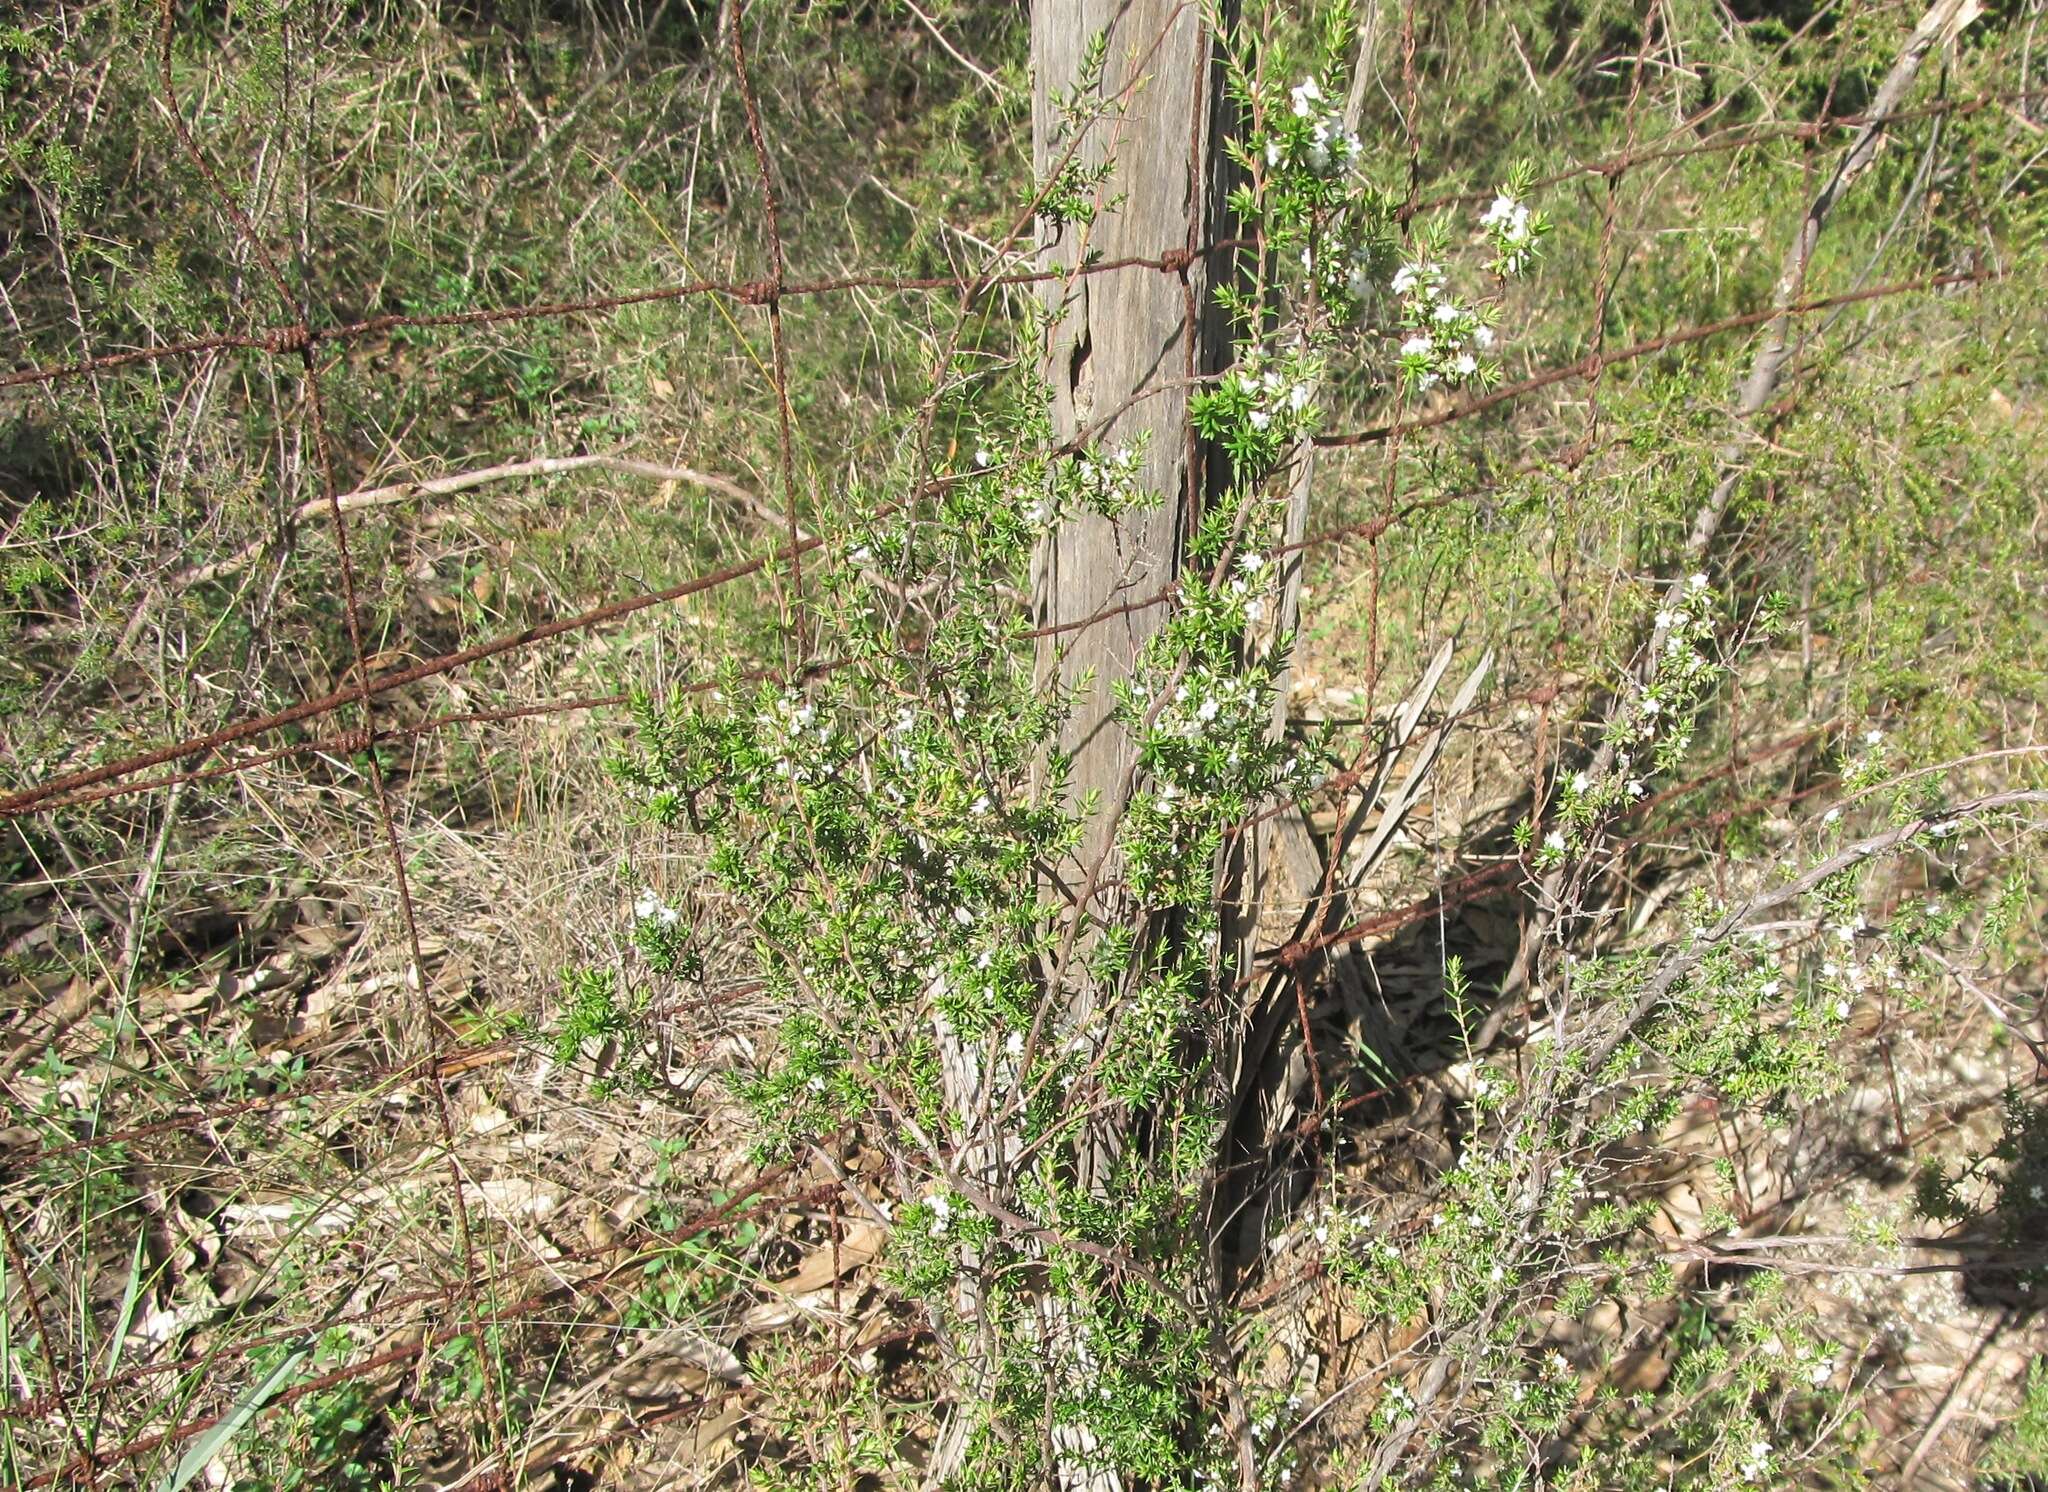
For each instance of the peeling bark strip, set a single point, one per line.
(1119, 338)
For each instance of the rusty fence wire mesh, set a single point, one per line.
(85, 1410)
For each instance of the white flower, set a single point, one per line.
(1841, 1010)
(1697, 582)
(1260, 419)
(1446, 312)
(1015, 1045)
(1770, 987)
(1305, 94)
(1465, 365)
(1873, 737)
(1758, 1461)
(1483, 335)
(1406, 277)
(1272, 152)
(962, 916)
(1501, 211)
(1298, 397)
(1553, 840)
(1635, 787)
(647, 905)
(1416, 346)
(1831, 815)
(1580, 782)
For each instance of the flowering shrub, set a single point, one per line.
(1039, 1058)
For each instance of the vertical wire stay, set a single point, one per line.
(771, 296)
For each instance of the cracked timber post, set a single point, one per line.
(1116, 337)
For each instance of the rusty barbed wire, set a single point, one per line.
(67, 785)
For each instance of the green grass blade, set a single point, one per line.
(126, 1317)
(216, 1440)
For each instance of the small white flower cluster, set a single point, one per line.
(1819, 1365)
(1488, 1087)
(1328, 1227)
(1445, 340)
(1208, 703)
(1849, 976)
(1870, 766)
(1359, 281)
(1657, 723)
(1513, 230)
(1102, 482)
(1756, 1460)
(650, 908)
(797, 730)
(1007, 1068)
(1251, 584)
(1279, 391)
(1661, 713)
(1324, 145)
(1105, 478)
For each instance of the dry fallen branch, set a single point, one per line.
(399, 492)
